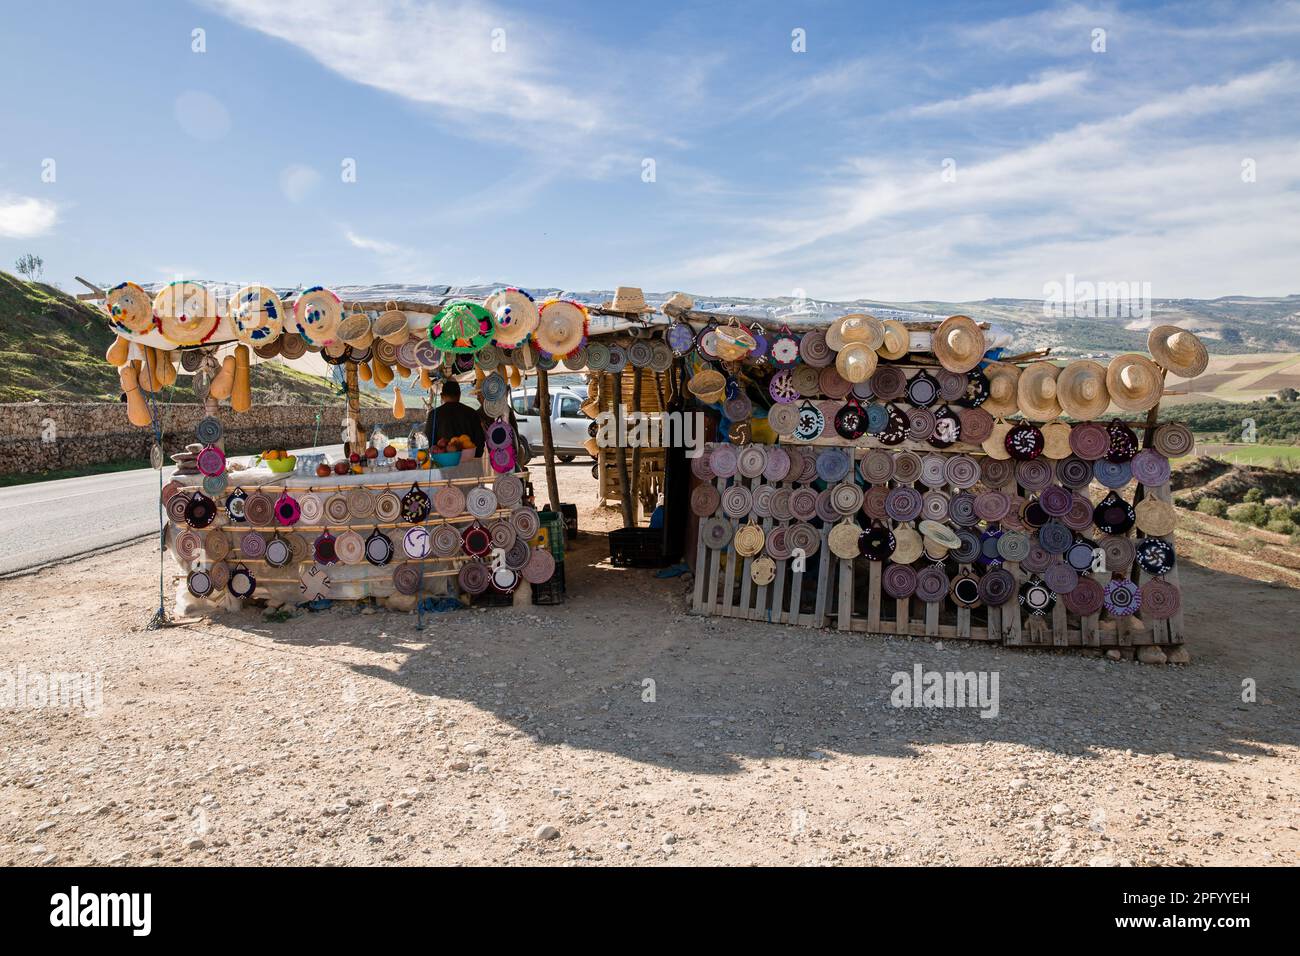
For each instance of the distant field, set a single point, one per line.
(1238, 378)
(1251, 454)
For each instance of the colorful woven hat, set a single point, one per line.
(185, 313)
(1178, 350)
(1081, 390)
(130, 310)
(462, 327)
(257, 314)
(316, 316)
(516, 315)
(1134, 382)
(561, 326)
(958, 343)
(1036, 392)
(1003, 381)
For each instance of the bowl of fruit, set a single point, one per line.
(279, 460)
(449, 452)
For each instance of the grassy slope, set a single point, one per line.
(52, 350)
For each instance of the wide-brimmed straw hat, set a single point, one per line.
(941, 534)
(678, 302)
(316, 316)
(130, 308)
(627, 298)
(1003, 389)
(1036, 392)
(856, 361)
(856, 327)
(186, 313)
(1081, 390)
(958, 343)
(897, 340)
(1178, 350)
(995, 446)
(257, 314)
(561, 326)
(516, 315)
(1134, 382)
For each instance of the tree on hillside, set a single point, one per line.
(30, 267)
(1288, 394)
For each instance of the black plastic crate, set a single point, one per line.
(638, 548)
(552, 591)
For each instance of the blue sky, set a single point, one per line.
(774, 170)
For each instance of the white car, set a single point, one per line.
(570, 428)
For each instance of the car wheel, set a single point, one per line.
(595, 470)
(525, 451)
(566, 458)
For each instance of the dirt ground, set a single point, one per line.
(532, 737)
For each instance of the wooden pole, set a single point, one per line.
(636, 452)
(548, 449)
(352, 412)
(625, 487)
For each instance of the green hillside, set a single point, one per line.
(52, 350)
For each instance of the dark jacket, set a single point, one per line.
(452, 419)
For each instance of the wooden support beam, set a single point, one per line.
(548, 447)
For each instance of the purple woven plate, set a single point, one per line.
(1055, 501)
(931, 584)
(762, 506)
(997, 586)
(705, 500)
(899, 581)
(826, 507)
(933, 473)
(1089, 441)
(1150, 467)
(903, 504)
(752, 460)
(1061, 578)
(934, 506)
(1086, 598)
(777, 465)
(877, 466)
(803, 503)
(1074, 472)
(994, 505)
(723, 460)
(781, 504)
(962, 471)
(907, 467)
(1034, 475)
(996, 472)
(737, 501)
(962, 510)
(1122, 598)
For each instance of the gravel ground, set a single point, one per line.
(528, 736)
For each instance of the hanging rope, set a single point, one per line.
(160, 618)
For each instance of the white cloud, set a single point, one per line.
(298, 182)
(25, 217)
(436, 53)
(380, 246)
(1047, 86)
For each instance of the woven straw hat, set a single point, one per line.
(940, 534)
(316, 316)
(130, 308)
(958, 343)
(708, 386)
(678, 302)
(186, 313)
(995, 446)
(1156, 517)
(856, 361)
(391, 326)
(257, 314)
(1178, 350)
(843, 539)
(1081, 390)
(907, 545)
(357, 330)
(292, 345)
(561, 326)
(628, 298)
(897, 340)
(1036, 392)
(516, 315)
(1134, 382)
(856, 327)
(1003, 382)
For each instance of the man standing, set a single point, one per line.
(451, 418)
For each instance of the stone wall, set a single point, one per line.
(40, 436)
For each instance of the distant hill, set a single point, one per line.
(52, 350)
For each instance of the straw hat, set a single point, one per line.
(1081, 390)
(1134, 382)
(907, 545)
(357, 330)
(292, 345)
(186, 313)
(516, 314)
(897, 341)
(678, 302)
(257, 314)
(1056, 440)
(940, 534)
(1003, 389)
(856, 327)
(995, 446)
(130, 309)
(1156, 517)
(391, 326)
(316, 316)
(856, 362)
(958, 343)
(843, 539)
(1036, 392)
(1178, 350)
(628, 298)
(561, 326)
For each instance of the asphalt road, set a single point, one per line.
(49, 521)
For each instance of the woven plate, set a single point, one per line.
(1121, 598)
(843, 540)
(1086, 598)
(540, 567)
(903, 504)
(1074, 472)
(481, 501)
(920, 424)
(388, 506)
(749, 540)
(508, 489)
(187, 545)
(832, 384)
(1112, 474)
(762, 506)
(907, 467)
(899, 581)
(803, 503)
(176, 506)
(1150, 467)
(311, 508)
(475, 577)
(775, 545)
(1089, 441)
(705, 500)
(1160, 599)
(873, 502)
(961, 510)
(1173, 440)
(252, 546)
(877, 466)
(1036, 597)
(526, 522)
(782, 419)
(1014, 546)
(518, 555)
(751, 461)
(969, 549)
(846, 498)
(763, 571)
(216, 545)
(997, 586)
(888, 382)
(737, 501)
(351, 547)
(996, 472)
(833, 464)
(336, 508)
(259, 509)
(962, 471)
(1118, 551)
(826, 507)
(1055, 538)
(1034, 475)
(723, 460)
(933, 471)
(444, 541)
(992, 506)
(776, 464)
(1155, 555)
(780, 504)
(814, 350)
(934, 506)
(715, 533)
(805, 536)
(449, 501)
(931, 584)
(1055, 501)
(361, 503)
(1061, 578)
(700, 466)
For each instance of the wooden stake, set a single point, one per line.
(548, 449)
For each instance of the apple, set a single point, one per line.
(354, 458)
(322, 470)
(372, 452)
(341, 468)
(390, 451)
